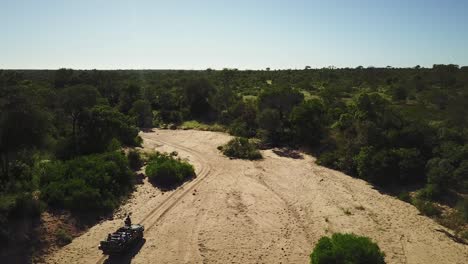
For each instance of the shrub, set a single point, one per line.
(102, 125)
(308, 120)
(27, 206)
(404, 196)
(426, 207)
(430, 192)
(19, 205)
(134, 160)
(63, 237)
(328, 159)
(346, 248)
(88, 183)
(167, 171)
(241, 129)
(389, 166)
(463, 208)
(241, 148)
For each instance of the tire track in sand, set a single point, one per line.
(204, 172)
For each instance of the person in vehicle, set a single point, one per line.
(128, 221)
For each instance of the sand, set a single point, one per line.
(268, 211)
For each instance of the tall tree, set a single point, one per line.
(76, 101)
(143, 113)
(23, 123)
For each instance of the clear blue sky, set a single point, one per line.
(244, 34)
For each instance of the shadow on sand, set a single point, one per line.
(126, 258)
(289, 153)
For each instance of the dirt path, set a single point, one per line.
(269, 211)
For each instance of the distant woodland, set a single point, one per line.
(404, 130)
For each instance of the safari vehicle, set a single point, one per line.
(122, 240)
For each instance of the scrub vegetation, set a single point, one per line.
(402, 129)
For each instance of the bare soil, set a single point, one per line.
(268, 211)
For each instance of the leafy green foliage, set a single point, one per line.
(393, 166)
(143, 113)
(393, 127)
(196, 94)
(346, 248)
(103, 124)
(308, 122)
(128, 96)
(166, 171)
(463, 208)
(63, 237)
(134, 159)
(241, 148)
(15, 206)
(426, 207)
(88, 183)
(23, 124)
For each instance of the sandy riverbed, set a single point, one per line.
(268, 211)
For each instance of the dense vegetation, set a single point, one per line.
(60, 147)
(346, 248)
(404, 130)
(87, 183)
(240, 148)
(167, 171)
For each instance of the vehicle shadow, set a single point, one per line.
(127, 257)
(288, 153)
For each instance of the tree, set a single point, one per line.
(439, 173)
(23, 123)
(399, 93)
(282, 99)
(63, 77)
(308, 122)
(461, 177)
(103, 124)
(269, 120)
(128, 96)
(197, 93)
(143, 113)
(76, 100)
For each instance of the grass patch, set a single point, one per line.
(308, 96)
(247, 98)
(194, 124)
(241, 148)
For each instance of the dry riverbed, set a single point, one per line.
(268, 211)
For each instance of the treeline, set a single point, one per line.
(60, 147)
(397, 128)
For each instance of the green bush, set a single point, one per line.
(463, 208)
(63, 237)
(88, 183)
(426, 207)
(167, 171)
(404, 196)
(346, 248)
(19, 205)
(328, 159)
(134, 160)
(241, 148)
